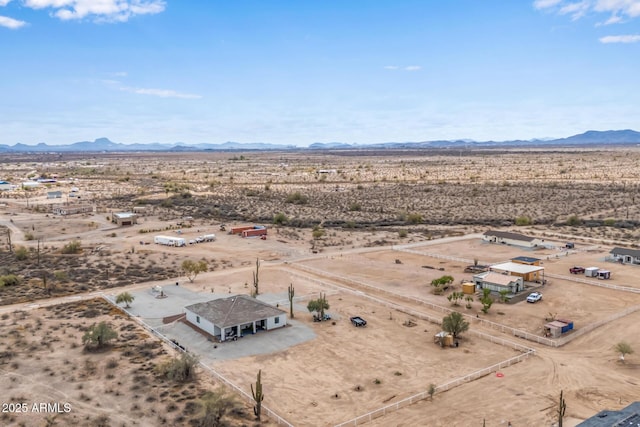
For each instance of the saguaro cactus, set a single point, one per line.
(256, 279)
(257, 396)
(562, 407)
(292, 292)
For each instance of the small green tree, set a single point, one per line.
(523, 220)
(455, 324)
(125, 297)
(486, 300)
(503, 295)
(191, 269)
(98, 336)
(574, 220)
(469, 299)
(258, 396)
(623, 348)
(319, 305)
(455, 297)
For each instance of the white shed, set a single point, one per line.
(591, 271)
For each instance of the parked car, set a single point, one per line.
(534, 297)
(576, 270)
(358, 321)
(317, 318)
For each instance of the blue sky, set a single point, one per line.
(298, 72)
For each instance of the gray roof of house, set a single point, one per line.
(625, 251)
(232, 311)
(509, 235)
(626, 417)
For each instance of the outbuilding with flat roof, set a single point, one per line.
(529, 273)
(509, 238)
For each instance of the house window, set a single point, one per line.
(277, 320)
(197, 319)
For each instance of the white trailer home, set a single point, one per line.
(209, 237)
(170, 241)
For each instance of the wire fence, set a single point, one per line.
(246, 396)
(380, 412)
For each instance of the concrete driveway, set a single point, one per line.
(151, 310)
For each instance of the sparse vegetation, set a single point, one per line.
(191, 268)
(455, 324)
(98, 336)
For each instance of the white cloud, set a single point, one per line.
(618, 10)
(98, 10)
(577, 10)
(4, 2)
(162, 93)
(391, 67)
(545, 4)
(413, 68)
(629, 38)
(11, 23)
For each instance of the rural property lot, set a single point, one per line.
(372, 235)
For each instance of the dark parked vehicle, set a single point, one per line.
(358, 321)
(576, 270)
(317, 318)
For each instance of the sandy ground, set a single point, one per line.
(316, 383)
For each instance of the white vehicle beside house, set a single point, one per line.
(534, 297)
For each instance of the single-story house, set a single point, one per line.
(6, 186)
(625, 256)
(124, 218)
(54, 194)
(233, 316)
(71, 209)
(139, 209)
(625, 417)
(508, 238)
(529, 273)
(497, 282)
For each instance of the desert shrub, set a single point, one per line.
(610, 222)
(29, 236)
(280, 218)
(181, 368)
(574, 220)
(72, 247)
(523, 220)
(10, 280)
(61, 275)
(98, 336)
(414, 218)
(21, 253)
(403, 233)
(355, 207)
(297, 198)
(318, 232)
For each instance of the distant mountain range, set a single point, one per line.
(589, 138)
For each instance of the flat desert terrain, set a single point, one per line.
(369, 230)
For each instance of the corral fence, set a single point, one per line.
(600, 284)
(519, 333)
(246, 396)
(381, 412)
